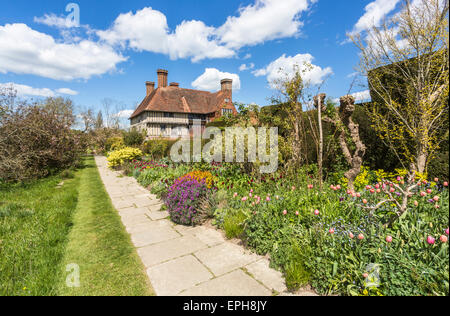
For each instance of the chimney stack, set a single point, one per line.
(162, 78)
(150, 87)
(227, 85)
(175, 84)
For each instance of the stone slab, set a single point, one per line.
(164, 251)
(236, 283)
(208, 235)
(172, 277)
(225, 257)
(153, 236)
(157, 215)
(271, 278)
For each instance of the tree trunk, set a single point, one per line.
(319, 103)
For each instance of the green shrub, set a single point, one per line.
(133, 138)
(234, 224)
(114, 143)
(119, 157)
(158, 148)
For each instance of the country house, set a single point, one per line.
(171, 112)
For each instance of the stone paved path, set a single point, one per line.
(183, 260)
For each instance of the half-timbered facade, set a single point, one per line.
(171, 112)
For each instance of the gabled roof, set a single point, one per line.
(178, 100)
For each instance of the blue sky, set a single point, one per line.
(120, 44)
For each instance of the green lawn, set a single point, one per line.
(43, 228)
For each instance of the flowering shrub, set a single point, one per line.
(205, 176)
(119, 157)
(184, 200)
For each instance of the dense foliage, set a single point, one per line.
(331, 240)
(37, 140)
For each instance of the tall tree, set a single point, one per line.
(406, 61)
(99, 121)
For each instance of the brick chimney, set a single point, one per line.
(162, 78)
(227, 85)
(150, 87)
(175, 84)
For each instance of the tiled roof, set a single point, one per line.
(178, 100)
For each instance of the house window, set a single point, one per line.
(169, 115)
(227, 111)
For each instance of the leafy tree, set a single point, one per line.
(406, 61)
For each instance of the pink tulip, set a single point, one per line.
(338, 187)
(446, 231)
(244, 199)
(365, 275)
(431, 240)
(372, 191)
(332, 187)
(389, 239)
(429, 191)
(416, 203)
(436, 179)
(293, 188)
(358, 194)
(353, 194)
(331, 231)
(377, 186)
(284, 212)
(378, 190)
(351, 236)
(360, 236)
(253, 203)
(310, 186)
(392, 190)
(437, 206)
(268, 199)
(445, 184)
(250, 194)
(423, 193)
(399, 178)
(297, 213)
(316, 212)
(251, 191)
(443, 239)
(368, 187)
(364, 201)
(436, 198)
(349, 192)
(235, 195)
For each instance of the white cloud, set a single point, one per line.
(374, 14)
(285, 66)
(24, 90)
(56, 21)
(210, 80)
(265, 20)
(124, 114)
(67, 91)
(148, 30)
(362, 96)
(245, 67)
(247, 56)
(26, 51)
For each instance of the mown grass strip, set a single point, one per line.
(100, 246)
